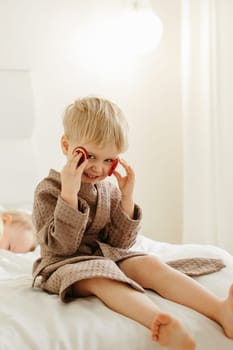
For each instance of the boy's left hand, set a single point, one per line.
(126, 185)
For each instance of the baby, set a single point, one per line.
(16, 231)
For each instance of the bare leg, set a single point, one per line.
(226, 314)
(167, 331)
(175, 286)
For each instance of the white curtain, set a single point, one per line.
(207, 92)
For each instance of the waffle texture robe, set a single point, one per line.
(85, 242)
(88, 242)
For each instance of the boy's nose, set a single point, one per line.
(97, 167)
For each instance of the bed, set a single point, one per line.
(30, 319)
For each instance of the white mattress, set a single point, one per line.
(30, 319)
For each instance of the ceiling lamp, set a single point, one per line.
(141, 30)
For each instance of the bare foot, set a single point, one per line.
(226, 315)
(169, 332)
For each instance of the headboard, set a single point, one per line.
(17, 121)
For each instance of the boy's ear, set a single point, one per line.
(64, 144)
(6, 218)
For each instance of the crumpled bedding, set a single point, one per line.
(31, 319)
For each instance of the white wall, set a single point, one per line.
(46, 37)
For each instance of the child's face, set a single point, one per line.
(16, 239)
(100, 160)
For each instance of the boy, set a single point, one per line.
(85, 226)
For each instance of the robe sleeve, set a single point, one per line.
(122, 231)
(59, 226)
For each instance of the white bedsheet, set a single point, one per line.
(30, 319)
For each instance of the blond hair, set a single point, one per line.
(96, 120)
(22, 220)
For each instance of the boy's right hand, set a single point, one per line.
(71, 176)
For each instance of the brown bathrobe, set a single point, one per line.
(89, 241)
(85, 242)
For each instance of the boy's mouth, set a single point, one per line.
(92, 177)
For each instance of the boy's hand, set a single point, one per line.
(126, 185)
(71, 176)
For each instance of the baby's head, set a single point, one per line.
(17, 233)
(97, 121)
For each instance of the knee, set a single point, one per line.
(151, 261)
(141, 263)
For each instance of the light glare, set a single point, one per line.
(140, 31)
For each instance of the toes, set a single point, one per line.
(160, 320)
(164, 319)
